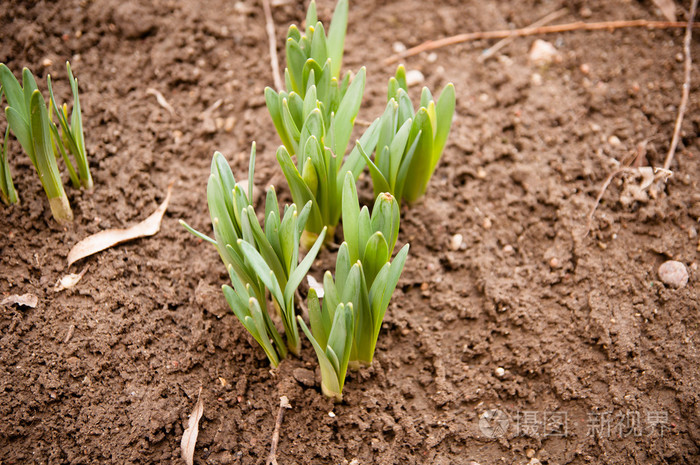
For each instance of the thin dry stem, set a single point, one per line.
(491, 51)
(641, 152)
(272, 458)
(686, 87)
(270, 27)
(531, 31)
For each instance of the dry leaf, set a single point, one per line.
(667, 7)
(315, 285)
(111, 237)
(69, 280)
(24, 300)
(189, 437)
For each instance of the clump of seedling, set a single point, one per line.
(258, 259)
(31, 122)
(314, 118)
(345, 328)
(410, 143)
(8, 194)
(331, 335)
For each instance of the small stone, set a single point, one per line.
(554, 263)
(534, 461)
(585, 68)
(481, 173)
(456, 242)
(614, 141)
(414, 77)
(229, 124)
(398, 47)
(46, 62)
(536, 79)
(673, 273)
(486, 224)
(500, 372)
(529, 453)
(483, 97)
(304, 377)
(679, 57)
(508, 249)
(432, 57)
(331, 414)
(596, 127)
(424, 286)
(585, 12)
(543, 53)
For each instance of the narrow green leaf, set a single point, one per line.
(336, 36)
(319, 48)
(315, 319)
(300, 191)
(376, 255)
(295, 64)
(385, 218)
(298, 274)
(262, 270)
(311, 18)
(444, 110)
(13, 92)
(397, 151)
(347, 112)
(379, 182)
(22, 131)
(351, 214)
(274, 107)
(45, 158)
(196, 233)
(329, 376)
(355, 163)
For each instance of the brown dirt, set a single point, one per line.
(580, 325)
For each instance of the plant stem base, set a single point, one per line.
(60, 209)
(336, 396)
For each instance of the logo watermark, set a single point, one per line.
(542, 423)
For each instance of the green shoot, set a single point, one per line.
(410, 144)
(331, 336)
(365, 258)
(314, 118)
(318, 176)
(29, 121)
(72, 139)
(258, 259)
(7, 187)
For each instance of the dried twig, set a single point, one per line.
(270, 27)
(630, 161)
(686, 87)
(161, 100)
(284, 404)
(531, 31)
(491, 51)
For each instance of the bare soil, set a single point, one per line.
(581, 326)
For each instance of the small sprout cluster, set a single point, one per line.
(410, 143)
(314, 118)
(258, 259)
(31, 122)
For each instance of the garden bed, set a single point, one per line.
(555, 329)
